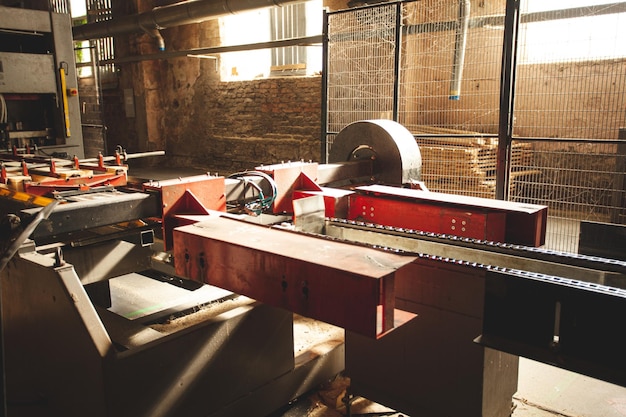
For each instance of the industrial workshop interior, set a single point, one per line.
(322, 208)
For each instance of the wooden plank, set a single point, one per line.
(289, 67)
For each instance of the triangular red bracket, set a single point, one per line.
(305, 183)
(188, 203)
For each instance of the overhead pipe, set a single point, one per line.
(186, 12)
(459, 49)
(154, 33)
(206, 52)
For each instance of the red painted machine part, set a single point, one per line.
(470, 217)
(346, 285)
(190, 195)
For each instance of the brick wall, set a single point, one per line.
(91, 118)
(233, 126)
(182, 107)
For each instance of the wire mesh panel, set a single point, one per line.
(571, 73)
(446, 74)
(568, 90)
(571, 84)
(361, 68)
(451, 66)
(449, 94)
(577, 180)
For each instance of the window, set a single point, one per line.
(271, 24)
(288, 22)
(559, 30)
(78, 11)
(101, 49)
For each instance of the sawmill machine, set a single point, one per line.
(435, 295)
(39, 105)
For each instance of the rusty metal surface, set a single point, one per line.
(345, 285)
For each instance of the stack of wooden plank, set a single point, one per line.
(456, 162)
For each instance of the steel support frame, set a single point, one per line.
(566, 323)
(288, 178)
(416, 368)
(195, 195)
(49, 186)
(105, 210)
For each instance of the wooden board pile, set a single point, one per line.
(466, 165)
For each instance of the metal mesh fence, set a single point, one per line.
(440, 88)
(449, 102)
(578, 181)
(571, 84)
(569, 89)
(571, 72)
(361, 65)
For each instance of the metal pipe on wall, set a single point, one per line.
(192, 11)
(204, 52)
(459, 49)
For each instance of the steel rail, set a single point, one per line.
(589, 269)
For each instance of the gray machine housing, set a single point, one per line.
(30, 81)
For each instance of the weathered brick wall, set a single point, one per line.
(91, 118)
(182, 107)
(233, 126)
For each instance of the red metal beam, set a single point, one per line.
(288, 177)
(346, 285)
(471, 217)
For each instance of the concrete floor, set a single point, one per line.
(567, 393)
(544, 391)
